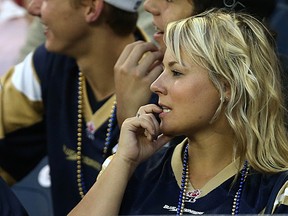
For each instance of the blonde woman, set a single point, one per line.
(220, 88)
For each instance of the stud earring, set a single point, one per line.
(224, 99)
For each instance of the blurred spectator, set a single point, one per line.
(13, 30)
(279, 23)
(35, 35)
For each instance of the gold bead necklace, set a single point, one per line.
(111, 121)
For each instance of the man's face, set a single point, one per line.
(34, 7)
(64, 25)
(165, 11)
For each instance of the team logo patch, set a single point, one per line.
(90, 130)
(192, 196)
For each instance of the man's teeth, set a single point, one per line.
(157, 29)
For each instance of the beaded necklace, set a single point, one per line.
(80, 178)
(184, 182)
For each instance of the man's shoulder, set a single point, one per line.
(45, 61)
(41, 54)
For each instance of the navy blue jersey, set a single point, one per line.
(46, 109)
(154, 189)
(9, 204)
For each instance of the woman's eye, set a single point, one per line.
(169, 0)
(176, 73)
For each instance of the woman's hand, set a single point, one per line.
(140, 136)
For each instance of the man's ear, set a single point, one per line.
(93, 10)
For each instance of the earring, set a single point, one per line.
(224, 99)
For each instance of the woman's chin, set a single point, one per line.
(168, 131)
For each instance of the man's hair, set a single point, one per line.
(121, 22)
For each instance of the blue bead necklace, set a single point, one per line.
(236, 201)
(184, 182)
(80, 178)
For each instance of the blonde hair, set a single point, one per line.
(239, 51)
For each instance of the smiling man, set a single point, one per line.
(63, 105)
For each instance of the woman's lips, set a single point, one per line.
(165, 111)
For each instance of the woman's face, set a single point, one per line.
(165, 11)
(188, 98)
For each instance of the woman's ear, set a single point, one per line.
(227, 90)
(93, 10)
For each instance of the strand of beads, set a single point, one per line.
(80, 177)
(80, 180)
(184, 181)
(109, 128)
(236, 201)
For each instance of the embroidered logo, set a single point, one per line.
(192, 196)
(187, 211)
(90, 130)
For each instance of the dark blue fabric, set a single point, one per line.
(9, 204)
(59, 82)
(33, 193)
(279, 23)
(153, 190)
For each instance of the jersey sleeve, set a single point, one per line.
(21, 120)
(21, 103)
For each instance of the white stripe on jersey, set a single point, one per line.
(25, 81)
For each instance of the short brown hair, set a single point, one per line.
(121, 22)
